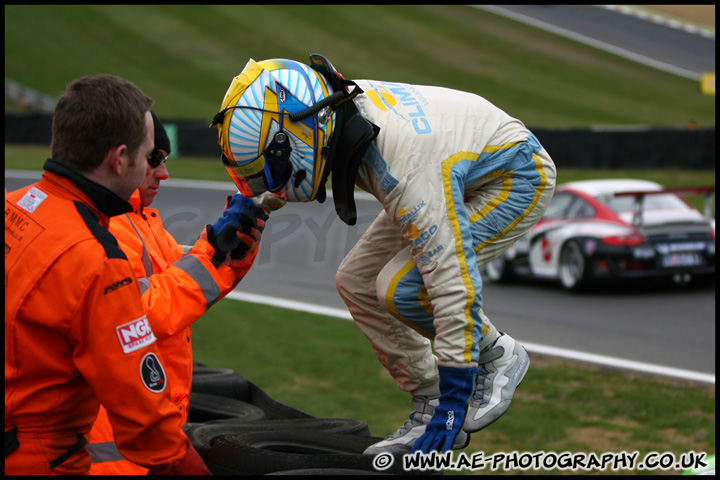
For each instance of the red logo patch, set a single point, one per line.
(135, 335)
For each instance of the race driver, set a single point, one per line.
(460, 181)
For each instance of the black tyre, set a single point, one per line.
(229, 383)
(574, 270)
(203, 435)
(274, 409)
(499, 270)
(219, 381)
(263, 452)
(205, 407)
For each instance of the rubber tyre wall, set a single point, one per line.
(205, 407)
(203, 435)
(231, 384)
(263, 452)
(220, 381)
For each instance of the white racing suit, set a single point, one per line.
(460, 181)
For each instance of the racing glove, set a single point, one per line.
(233, 232)
(251, 228)
(456, 386)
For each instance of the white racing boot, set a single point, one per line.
(501, 368)
(404, 438)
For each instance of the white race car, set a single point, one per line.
(619, 228)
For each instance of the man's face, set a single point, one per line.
(137, 166)
(149, 187)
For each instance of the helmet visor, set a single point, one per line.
(269, 172)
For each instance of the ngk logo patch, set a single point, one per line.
(135, 335)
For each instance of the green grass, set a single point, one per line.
(184, 57)
(326, 367)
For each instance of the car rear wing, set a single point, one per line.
(708, 191)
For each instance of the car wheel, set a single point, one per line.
(499, 270)
(573, 269)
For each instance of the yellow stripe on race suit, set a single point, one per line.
(504, 194)
(390, 294)
(538, 193)
(447, 167)
(425, 301)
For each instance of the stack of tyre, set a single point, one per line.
(238, 429)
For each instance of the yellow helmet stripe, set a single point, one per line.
(237, 87)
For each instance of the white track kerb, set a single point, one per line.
(532, 347)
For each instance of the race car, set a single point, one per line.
(614, 229)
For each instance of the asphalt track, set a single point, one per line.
(673, 50)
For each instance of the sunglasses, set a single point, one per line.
(156, 158)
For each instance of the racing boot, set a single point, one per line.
(404, 438)
(501, 368)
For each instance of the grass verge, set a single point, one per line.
(326, 367)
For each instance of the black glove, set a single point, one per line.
(251, 228)
(223, 234)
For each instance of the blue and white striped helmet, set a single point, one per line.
(263, 148)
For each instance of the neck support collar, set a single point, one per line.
(350, 139)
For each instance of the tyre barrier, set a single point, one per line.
(219, 381)
(238, 428)
(228, 383)
(205, 407)
(203, 435)
(265, 452)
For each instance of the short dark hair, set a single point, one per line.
(95, 114)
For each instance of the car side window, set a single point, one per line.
(558, 206)
(580, 209)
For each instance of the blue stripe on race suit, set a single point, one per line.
(514, 161)
(402, 297)
(524, 181)
(374, 159)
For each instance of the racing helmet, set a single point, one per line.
(273, 127)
